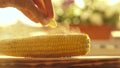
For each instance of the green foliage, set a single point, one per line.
(74, 14)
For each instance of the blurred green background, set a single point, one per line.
(91, 12)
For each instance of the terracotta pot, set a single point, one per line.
(96, 32)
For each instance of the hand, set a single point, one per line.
(39, 11)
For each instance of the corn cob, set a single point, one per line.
(46, 46)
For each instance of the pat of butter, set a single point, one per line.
(52, 24)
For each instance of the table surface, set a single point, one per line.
(64, 62)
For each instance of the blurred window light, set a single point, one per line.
(8, 16)
(113, 2)
(80, 3)
(115, 34)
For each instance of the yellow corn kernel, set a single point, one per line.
(46, 46)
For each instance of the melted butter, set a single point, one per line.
(52, 24)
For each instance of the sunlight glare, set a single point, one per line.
(80, 3)
(113, 2)
(10, 16)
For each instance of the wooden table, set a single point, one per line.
(66, 62)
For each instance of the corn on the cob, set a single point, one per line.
(46, 46)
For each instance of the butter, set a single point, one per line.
(52, 24)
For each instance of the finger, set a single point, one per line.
(49, 8)
(31, 15)
(40, 5)
(46, 6)
(28, 8)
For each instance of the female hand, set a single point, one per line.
(39, 11)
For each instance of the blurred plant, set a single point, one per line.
(95, 12)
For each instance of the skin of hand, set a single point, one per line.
(39, 11)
